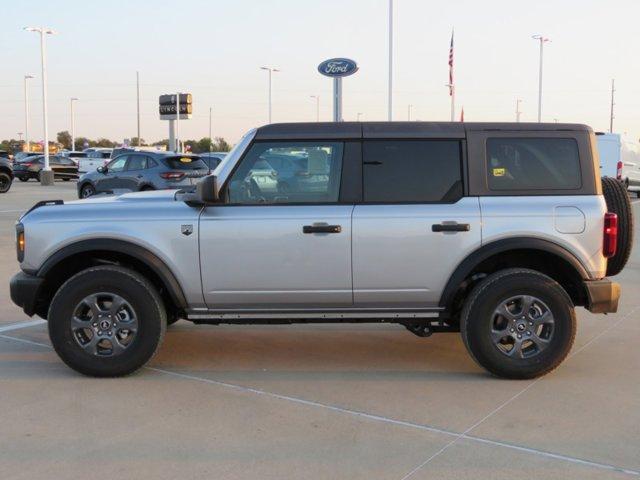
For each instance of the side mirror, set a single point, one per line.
(207, 189)
(102, 169)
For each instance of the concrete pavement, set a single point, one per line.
(316, 402)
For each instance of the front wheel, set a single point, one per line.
(106, 321)
(87, 190)
(518, 323)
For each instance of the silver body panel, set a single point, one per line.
(258, 256)
(548, 218)
(398, 260)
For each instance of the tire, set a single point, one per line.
(5, 182)
(87, 191)
(147, 188)
(618, 202)
(488, 335)
(121, 347)
(171, 319)
(66, 179)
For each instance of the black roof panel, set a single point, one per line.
(358, 130)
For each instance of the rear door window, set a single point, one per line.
(412, 171)
(137, 162)
(533, 164)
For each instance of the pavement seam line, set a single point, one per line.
(373, 417)
(19, 325)
(507, 402)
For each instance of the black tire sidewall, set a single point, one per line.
(86, 187)
(478, 314)
(142, 297)
(5, 178)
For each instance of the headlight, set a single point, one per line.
(20, 242)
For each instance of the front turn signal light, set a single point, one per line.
(20, 241)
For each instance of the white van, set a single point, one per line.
(619, 159)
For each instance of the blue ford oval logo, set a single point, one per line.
(338, 67)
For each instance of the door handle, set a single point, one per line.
(321, 229)
(450, 227)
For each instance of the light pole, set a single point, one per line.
(317, 97)
(409, 107)
(46, 175)
(19, 136)
(210, 124)
(518, 112)
(26, 112)
(359, 115)
(73, 125)
(613, 103)
(542, 39)
(138, 104)
(390, 92)
(270, 70)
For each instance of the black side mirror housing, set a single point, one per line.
(102, 169)
(207, 190)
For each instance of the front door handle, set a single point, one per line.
(321, 229)
(450, 227)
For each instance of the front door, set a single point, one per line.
(414, 226)
(276, 242)
(111, 178)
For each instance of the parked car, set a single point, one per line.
(21, 156)
(497, 231)
(97, 157)
(6, 175)
(620, 159)
(139, 171)
(63, 168)
(72, 154)
(212, 159)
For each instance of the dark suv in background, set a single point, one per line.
(63, 168)
(138, 171)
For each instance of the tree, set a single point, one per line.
(221, 145)
(134, 142)
(64, 138)
(104, 143)
(80, 143)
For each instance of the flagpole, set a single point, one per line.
(453, 103)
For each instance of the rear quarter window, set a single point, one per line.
(533, 164)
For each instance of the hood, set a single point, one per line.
(128, 197)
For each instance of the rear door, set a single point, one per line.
(134, 173)
(415, 224)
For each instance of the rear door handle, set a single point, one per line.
(321, 229)
(450, 227)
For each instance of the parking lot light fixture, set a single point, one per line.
(26, 112)
(271, 70)
(542, 39)
(73, 125)
(46, 178)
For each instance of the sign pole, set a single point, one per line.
(337, 99)
(177, 150)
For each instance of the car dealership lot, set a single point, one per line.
(315, 401)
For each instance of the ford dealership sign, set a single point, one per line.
(338, 67)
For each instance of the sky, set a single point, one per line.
(214, 49)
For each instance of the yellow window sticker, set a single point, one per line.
(185, 160)
(499, 172)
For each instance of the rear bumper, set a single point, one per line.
(24, 291)
(603, 295)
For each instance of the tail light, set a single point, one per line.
(619, 171)
(610, 240)
(172, 175)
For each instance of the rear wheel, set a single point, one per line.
(618, 202)
(518, 323)
(106, 321)
(5, 182)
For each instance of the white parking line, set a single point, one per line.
(500, 407)
(402, 423)
(11, 211)
(19, 325)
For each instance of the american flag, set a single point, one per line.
(451, 66)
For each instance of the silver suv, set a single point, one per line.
(494, 230)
